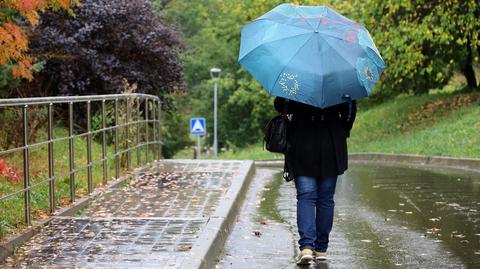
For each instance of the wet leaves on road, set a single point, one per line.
(185, 248)
(89, 234)
(456, 235)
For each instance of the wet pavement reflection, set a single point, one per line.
(385, 217)
(431, 217)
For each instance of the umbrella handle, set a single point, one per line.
(349, 100)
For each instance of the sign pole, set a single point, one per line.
(199, 147)
(215, 141)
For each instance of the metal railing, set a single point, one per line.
(138, 120)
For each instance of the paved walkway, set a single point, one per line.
(152, 222)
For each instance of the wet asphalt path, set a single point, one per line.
(385, 217)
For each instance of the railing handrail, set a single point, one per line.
(133, 103)
(64, 99)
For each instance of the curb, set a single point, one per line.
(8, 247)
(465, 164)
(204, 253)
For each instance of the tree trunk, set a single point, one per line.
(467, 69)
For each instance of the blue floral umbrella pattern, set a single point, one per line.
(311, 54)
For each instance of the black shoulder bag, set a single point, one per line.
(275, 139)
(275, 133)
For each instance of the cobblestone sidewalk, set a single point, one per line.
(152, 222)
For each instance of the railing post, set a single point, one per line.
(89, 147)
(71, 152)
(117, 157)
(51, 171)
(104, 144)
(127, 141)
(154, 127)
(159, 130)
(146, 128)
(26, 166)
(139, 159)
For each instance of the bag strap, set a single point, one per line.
(285, 168)
(285, 107)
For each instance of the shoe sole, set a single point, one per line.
(305, 260)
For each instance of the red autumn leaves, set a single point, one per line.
(14, 40)
(8, 172)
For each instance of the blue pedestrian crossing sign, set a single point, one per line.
(197, 126)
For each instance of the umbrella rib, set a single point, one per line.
(289, 61)
(246, 54)
(341, 39)
(281, 22)
(296, 11)
(320, 30)
(334, 49)
(341, 55)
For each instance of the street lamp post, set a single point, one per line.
(215, 73)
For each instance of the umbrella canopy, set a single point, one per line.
(311, 54)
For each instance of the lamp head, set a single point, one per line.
(215, 72)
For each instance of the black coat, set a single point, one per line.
(317, 137)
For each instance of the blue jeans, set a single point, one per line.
(315, 211)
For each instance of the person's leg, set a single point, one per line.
(306, 200)
(324, 212)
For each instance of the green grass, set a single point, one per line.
(435, 125)
(255, 152)
(12, 216)
(438, 124)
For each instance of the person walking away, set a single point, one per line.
(316, 156)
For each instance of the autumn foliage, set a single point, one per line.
(104, 44)
(8, 172)
(13, 37)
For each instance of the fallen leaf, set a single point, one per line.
(185, 248)
(458, 236)
(90, 234)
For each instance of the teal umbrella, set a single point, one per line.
(311, 54)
